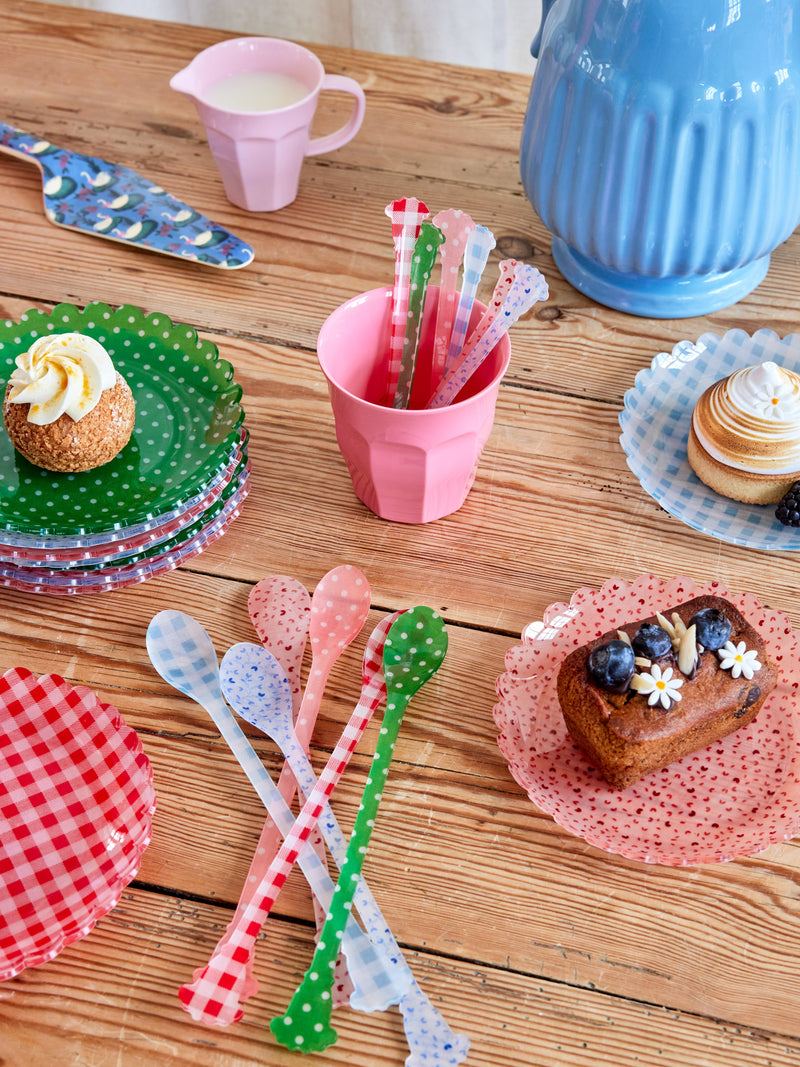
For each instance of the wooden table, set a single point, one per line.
(544, 949)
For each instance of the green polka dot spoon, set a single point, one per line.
(414, 650)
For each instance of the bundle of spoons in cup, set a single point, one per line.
(457, 351)
(354, 963)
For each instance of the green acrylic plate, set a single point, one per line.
(219, 513)
(188, 415)
(175, 538)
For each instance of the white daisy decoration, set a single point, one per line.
(777, 402)
(658, 686)
(773, 396)
(738, 660)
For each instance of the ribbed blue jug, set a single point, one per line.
(661, 147)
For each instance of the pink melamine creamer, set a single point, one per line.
(259, 143)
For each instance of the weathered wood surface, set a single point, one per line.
(544, 949)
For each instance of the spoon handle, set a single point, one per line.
(457, 226)
(479, 244)
(414, 650)
(222, 981)
(406, 216)
(365, 965)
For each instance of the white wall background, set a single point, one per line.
(479, 33)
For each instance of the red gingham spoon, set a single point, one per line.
(244, 672)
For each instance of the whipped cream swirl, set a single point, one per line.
(751, 420)
(63, 373)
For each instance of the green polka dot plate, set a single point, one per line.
(70, 582)
(28, 550)
(118, 554)
(188, 426)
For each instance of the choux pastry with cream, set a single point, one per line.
(66, 407)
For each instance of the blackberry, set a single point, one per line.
(651, 640)
(788, 509)
(611, 666)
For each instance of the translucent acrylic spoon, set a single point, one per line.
(339, 608)
(479, 244)
(456, 226)
(183, 654)
(244, 666)
(279, 608)
(432, 1042)
(414, 650)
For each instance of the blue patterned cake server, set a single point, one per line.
(108, 200)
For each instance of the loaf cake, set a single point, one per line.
(744, 440)
(638, 698)
(66, 407)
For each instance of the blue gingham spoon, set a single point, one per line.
(183, 654)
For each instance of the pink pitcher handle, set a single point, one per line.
(317, 145)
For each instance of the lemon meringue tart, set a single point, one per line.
(744, 440)
(66, 407)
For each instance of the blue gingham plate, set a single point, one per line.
(655, 429)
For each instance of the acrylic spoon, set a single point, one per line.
(414, 650)
(279, 608)
(339, 608)
(183, 654)
(224, 980)
(432, 1042)
(526, 289)
(427, 245)
(479, 244)
(406, 215)
(457, 226)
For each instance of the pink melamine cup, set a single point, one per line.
(259, 154)
(412, 465)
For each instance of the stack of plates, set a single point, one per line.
(172, 491)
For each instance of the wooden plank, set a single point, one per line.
(544, 948)
(112, 997)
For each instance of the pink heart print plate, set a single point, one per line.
(734, 798)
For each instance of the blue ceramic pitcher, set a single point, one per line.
(661, 146)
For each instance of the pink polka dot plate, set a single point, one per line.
(734, 798)
(76, 807)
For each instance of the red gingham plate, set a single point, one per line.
(734, 798)
(76, 807)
